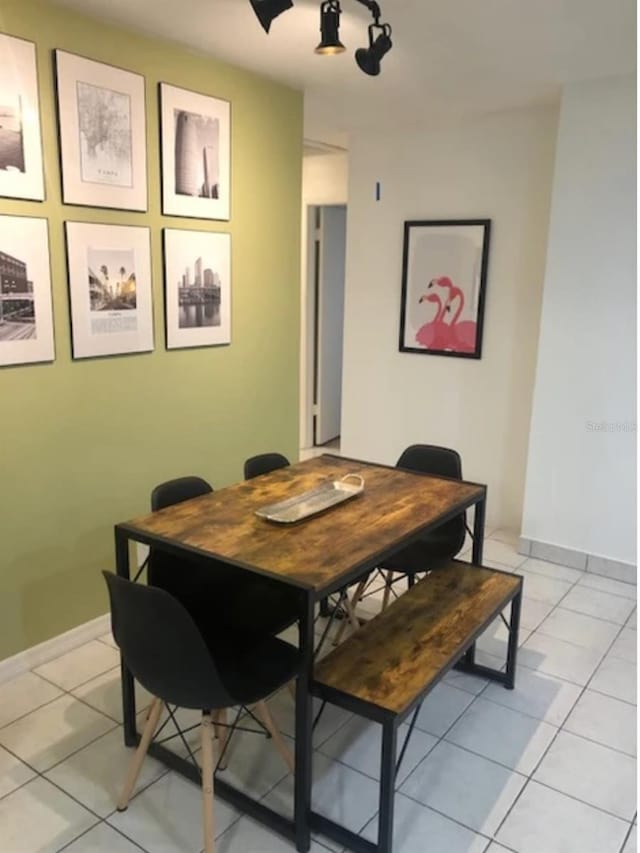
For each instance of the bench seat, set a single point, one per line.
(400, 654)
(386, 668)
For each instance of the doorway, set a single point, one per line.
(326, 249)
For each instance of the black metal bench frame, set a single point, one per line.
(390, 722)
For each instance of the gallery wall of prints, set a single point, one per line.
(103, 159)
(129, 262)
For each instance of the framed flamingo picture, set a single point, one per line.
(444, 277)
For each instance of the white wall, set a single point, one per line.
(324, 181)
(581, 481)
(500, 168)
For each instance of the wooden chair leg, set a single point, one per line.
(387, 590)
(223, 738)
(140, 753)
(350, 607)
(351, 614)
(207, 782)
(265, 716)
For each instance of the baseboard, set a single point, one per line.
(592, 563)
(53, 648)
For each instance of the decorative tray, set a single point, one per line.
(314, 501)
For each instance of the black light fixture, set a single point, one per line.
(267, 10)
(369, 58)
(330, 43)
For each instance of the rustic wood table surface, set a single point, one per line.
(317, 556)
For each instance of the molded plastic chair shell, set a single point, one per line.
(178, 490)
(163, 647)
(263, 463)
(447, 540)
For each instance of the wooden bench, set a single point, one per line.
(385, 669)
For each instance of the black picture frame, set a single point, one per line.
(444, 263)
(110, 169)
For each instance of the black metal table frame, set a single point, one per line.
(390, 722)
(299, 829)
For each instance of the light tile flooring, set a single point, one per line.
(547, 768)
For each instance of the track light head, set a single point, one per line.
(267, 10)
(330, 43)
(369, 58)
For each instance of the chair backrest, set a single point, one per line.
(178, 490)
(163, 647)
(263, 463)
(440, 462)
(431, 459)
(167, 570)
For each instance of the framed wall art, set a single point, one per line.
(109, 289)
(21, 171)
(26, 318)
(444, 272)
(197, 270)
(101, 117)
(196, 153)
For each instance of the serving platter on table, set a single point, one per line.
(313, 501)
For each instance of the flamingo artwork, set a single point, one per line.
(462, 335)
(435, 333)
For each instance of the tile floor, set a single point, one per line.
(547, 768)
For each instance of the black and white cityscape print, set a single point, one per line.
(197, 144)
(17, 306)
(11, 135)
(198, 297)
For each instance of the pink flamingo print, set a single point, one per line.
(434, 334)
(463, 334)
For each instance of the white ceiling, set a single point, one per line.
(450, 57)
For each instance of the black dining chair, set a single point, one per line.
(215, 590)
(430, 550)
(182, 663)
(263, 463)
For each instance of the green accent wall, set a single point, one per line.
(83, 442)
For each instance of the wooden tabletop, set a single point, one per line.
(318, 552)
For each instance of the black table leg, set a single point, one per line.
(304, 732)
(387, 787)
(128, 690)
(476, 557)
(478, 532)
(512, 648)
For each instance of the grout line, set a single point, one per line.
(593, 616)
(609, 695)
(626, 838)
(553, 740)
(438, 812)
(82, 683)
(578, 800)
(91, 828)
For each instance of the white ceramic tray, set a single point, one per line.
(314, 501)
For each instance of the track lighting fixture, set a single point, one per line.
(267, 10)
(330, 29)
(367, 58)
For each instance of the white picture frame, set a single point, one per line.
(110, 289)
(197, 270)
(21, 167)
(196, 154)
(26, 315)
(103, 141)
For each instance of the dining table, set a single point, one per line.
(321, 554)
